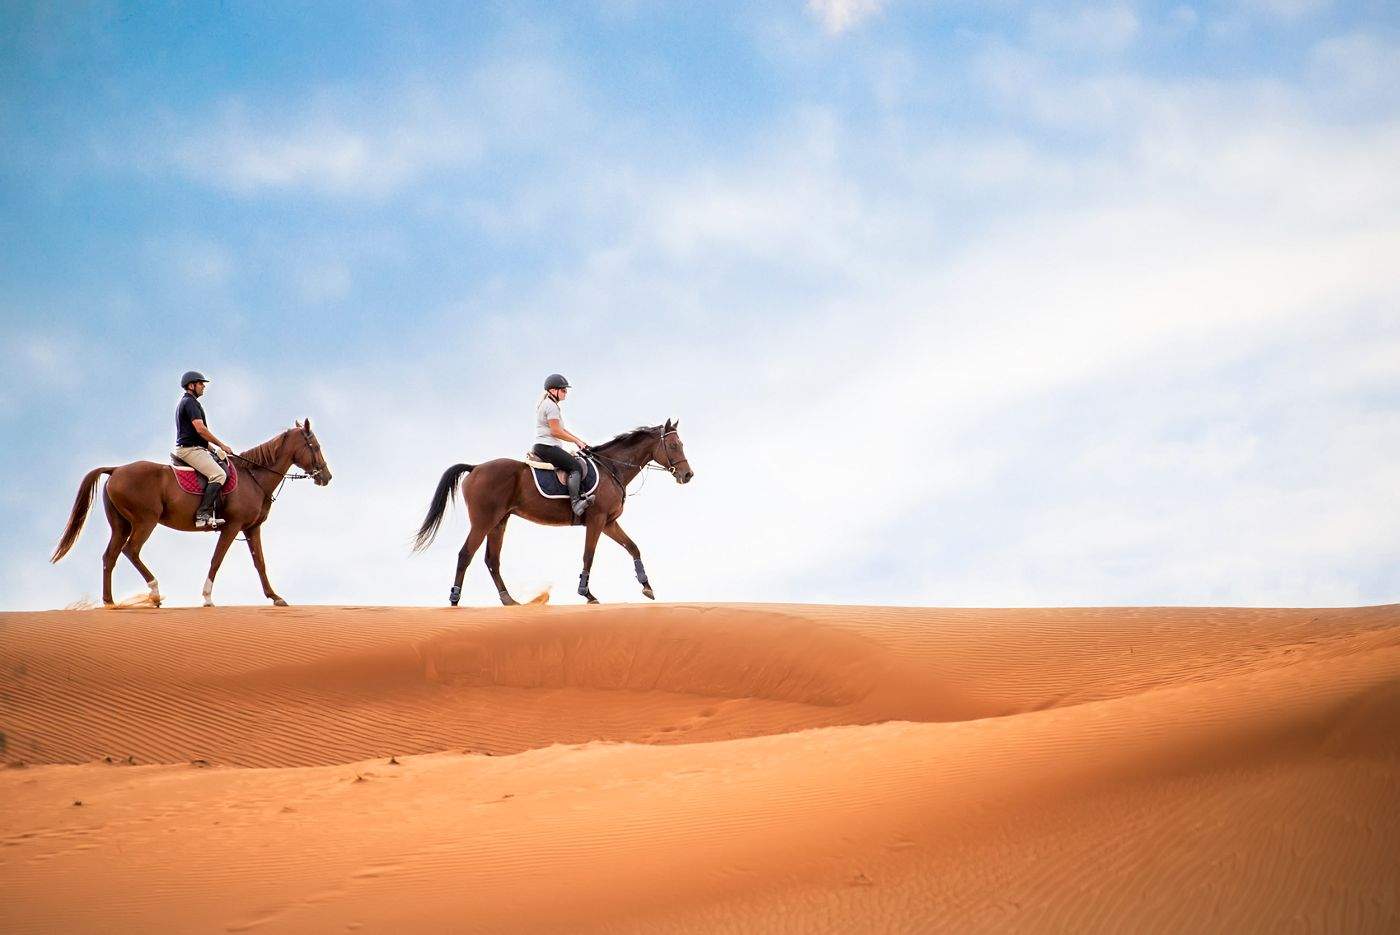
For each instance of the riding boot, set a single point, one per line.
(575, 484)
(204, 516)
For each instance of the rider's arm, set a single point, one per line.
(207, 435)
(557, 429)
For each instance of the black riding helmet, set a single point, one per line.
(192, 376)
(556, 381)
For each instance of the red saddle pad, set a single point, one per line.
(191, 481)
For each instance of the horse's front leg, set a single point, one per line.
(254, 536)
(596, 521)
(615, 533)
(226, 537)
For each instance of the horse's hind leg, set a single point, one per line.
(494, 540)
(140, 532)
(121, 531)
(464, 558)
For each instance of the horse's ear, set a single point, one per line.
(675, 423)
(298, 425)
(306, 424)
(668, 425)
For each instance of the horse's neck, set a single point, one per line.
(274, 453)
(638, 454)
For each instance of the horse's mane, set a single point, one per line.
(264, 454)
(628, 437)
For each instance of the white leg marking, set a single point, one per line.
(208, 592)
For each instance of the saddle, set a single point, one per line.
(554, 484)
(191, 481)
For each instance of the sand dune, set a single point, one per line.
(701, 768)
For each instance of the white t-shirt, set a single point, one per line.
(546, 410)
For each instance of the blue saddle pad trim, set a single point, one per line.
(547, 482)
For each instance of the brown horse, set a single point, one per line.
(144, 493)
(498, 489)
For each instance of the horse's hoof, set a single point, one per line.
(278, 602)
(509, 601)
(648, 593)
(592, 599)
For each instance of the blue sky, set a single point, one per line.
(968, 304)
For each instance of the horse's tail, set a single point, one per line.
(446, 491)
(81, 505)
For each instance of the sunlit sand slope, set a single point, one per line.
(701, 768)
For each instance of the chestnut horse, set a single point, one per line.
(144, 493)
(498, 489)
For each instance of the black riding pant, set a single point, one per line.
(558, 457)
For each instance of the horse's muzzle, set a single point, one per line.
(683, 477)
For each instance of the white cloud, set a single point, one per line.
(323, 152)
(325, 282)
(1183, 18)
(1357, 66)
(901, 367)
(838, 16)
(1288, 9)
(1098, 28)
(346, 144)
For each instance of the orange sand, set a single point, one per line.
(729, 768)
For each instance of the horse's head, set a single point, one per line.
(669, 452)
(307, 454)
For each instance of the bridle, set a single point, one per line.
(671, 465)
(319, 466)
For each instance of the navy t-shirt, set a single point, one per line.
(185, 414)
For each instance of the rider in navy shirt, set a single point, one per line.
(193, 441)
(190, 408)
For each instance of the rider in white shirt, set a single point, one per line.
(551, 436)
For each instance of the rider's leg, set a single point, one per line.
(204, 516)
(202, 461)
(564, 461)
